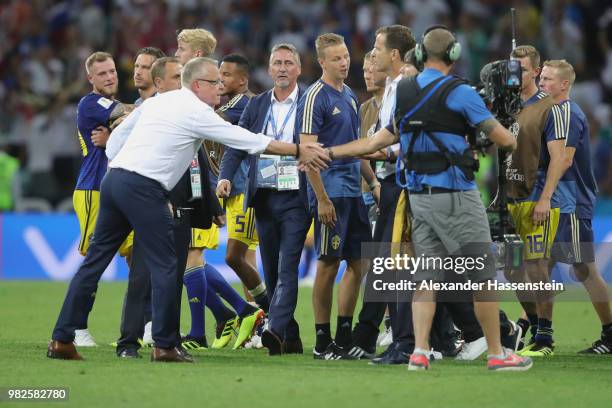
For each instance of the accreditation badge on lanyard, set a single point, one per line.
(278, 172)
(195, 178)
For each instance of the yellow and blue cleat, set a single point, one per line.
(539, 350)
(248, 325)
(194, 343)
(224, 333)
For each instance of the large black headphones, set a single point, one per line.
(452, 53)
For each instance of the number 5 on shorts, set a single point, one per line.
(240, 223)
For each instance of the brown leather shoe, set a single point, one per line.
(63, 351)
(293, 347)
(172, 355)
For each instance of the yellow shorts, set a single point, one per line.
(86, 205)
(241, 226)
(310, 233)
(205, 238)
(538, 239)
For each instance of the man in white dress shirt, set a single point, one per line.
(165, 134)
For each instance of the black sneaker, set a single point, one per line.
(451, 346)
(600, 347)
(335, 352)
(129, 353)
(360, 353)
(184, 353)
(388, 351)
(394, 357)
(514, 338)
(318, 355)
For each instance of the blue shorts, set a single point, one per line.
(574, 240)
(352, 228)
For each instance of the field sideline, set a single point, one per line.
(249, 378)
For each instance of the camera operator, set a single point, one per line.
(446, 206)
(533, 172)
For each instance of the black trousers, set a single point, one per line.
(138, 294)
(128, 201)
(372, 313)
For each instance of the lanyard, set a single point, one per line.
(270, 118)
(386, 100)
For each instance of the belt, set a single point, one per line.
(179, 212)
(434, 190)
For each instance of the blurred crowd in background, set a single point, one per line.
(44, 43)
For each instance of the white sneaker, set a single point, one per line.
(82, 338)
(147, 337)
(435, 355)
(385, 338)
(473, 350)
(254, 343)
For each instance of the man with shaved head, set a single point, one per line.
(433, 113)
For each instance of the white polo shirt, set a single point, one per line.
(165, 132)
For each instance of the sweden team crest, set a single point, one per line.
(335, 242)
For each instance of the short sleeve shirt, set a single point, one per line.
(334, 117)
(93, 110)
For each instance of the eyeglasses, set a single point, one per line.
(216, 82)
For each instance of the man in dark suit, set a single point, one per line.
(277, 192)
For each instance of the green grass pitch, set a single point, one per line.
(249, 378)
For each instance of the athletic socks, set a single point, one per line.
(219, 285)
(533, 322)
(545, 332)
(343, 331)
(323, 332)
(524, 325)
(216, 306)
(260, 295)
(606, 333)
(195, 284)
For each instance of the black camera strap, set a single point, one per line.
(424, 111)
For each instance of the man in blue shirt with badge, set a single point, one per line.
(275, 191)
(433, 113)
(328, 114)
